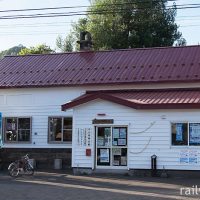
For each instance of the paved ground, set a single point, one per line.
(65, 186)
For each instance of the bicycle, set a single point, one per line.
(22, 166)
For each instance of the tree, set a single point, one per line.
(65, 45)
(181, 42)
(40, 49)
(12, 51)
(118, 24)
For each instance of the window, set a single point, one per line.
(60, 129)
(185, 134)
(17, 129)
(194, 138)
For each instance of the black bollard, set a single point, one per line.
(153, 165)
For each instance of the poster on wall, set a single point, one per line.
(107, 132)
(184, 157)
(116, 133)
(107, 141)
(100, 141)
(121, 142)
(193, 157)
(104, 155)
(123, 160)
(189, 157)
(179, 132)
(195, 133)
(116, 151)
(122, 132)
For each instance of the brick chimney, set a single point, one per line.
(85, 41)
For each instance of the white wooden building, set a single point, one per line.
(103, 110)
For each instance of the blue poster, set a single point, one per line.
(195, 133)
(179, 132)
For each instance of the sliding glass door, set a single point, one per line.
(111, 146)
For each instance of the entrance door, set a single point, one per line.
(111, 147)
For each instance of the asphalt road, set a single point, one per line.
(62, 186)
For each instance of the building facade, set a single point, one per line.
(103, 110)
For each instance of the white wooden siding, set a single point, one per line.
(137, 121)
(39, 104)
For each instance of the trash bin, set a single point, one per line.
(57, 163)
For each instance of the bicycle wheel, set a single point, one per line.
(29, 170)
(13, 170)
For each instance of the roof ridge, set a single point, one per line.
(143, 90)
(102, 51)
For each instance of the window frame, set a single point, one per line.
(5, 129)
(188, 136)
(111, 166)
(62, 129)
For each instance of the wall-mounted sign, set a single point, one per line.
(189, 156)
(102, 121)
(84, 137)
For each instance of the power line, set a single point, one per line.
(42, 33)
(82, 6)
(47, 15)
(97, 12)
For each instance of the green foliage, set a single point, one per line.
(65, 45)
(12, 51)
(121, 24)
(40, 49)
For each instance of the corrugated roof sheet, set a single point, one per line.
(150, 65)
(144, 99)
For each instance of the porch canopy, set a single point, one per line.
(143, 99)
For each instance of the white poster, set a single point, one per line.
(116, 133)
(184, 157)
(189, 157)
(194, 133)
(104, 155)
(193, 157)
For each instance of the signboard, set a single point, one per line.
(102, 121)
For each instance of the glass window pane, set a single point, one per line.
(194, 135)
(179, 133)
(24, 123)
(24, 135)
(119, 136)
(119, 156)
(11, 129)
(11, 136)
(67, 123)
(103, 156)
(55, 129)
(67, 135)
(104, 137)
(11, 124)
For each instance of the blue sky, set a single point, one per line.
(31, 32)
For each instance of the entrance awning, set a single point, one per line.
(143, 99)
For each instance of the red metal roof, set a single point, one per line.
(150, 65)
(144, 99)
